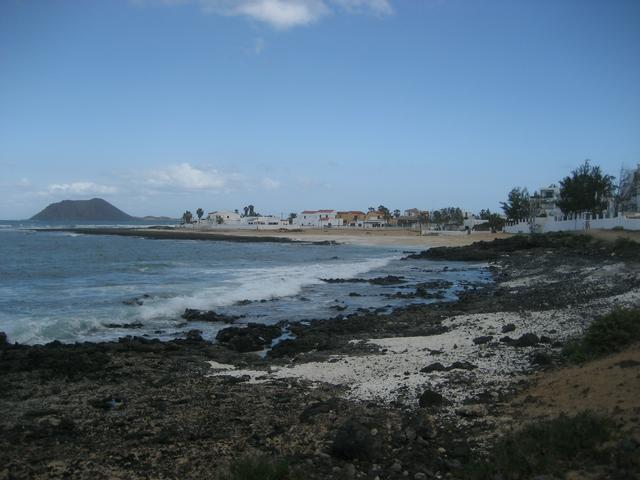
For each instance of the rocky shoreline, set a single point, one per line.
(419, 393)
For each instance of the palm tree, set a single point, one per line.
(199, 212)
(187, 217)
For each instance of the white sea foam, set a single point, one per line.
(259, 284)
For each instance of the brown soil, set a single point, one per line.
(610, 386)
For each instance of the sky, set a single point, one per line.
(160, 106)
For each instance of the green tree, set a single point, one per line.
(586, 190)
(494, 220)
(396, 213)
(199, 213)
(187, 217)
(386, 214)
(518, 205)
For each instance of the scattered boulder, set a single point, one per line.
(482, 340)
(251, 338)
(353, 441)
(462, 366)
(509, 327)
(429, 398)
(192, 314)
(434, 367)
(526, 340)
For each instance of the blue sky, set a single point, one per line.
(164, 105)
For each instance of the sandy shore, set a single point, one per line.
(382, 237)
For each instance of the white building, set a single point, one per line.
(224, 218)
(546, 204)
(318, 218)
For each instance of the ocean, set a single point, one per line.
(72, 287)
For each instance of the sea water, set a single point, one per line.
(72, 287)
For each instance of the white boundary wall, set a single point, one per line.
(548, 224)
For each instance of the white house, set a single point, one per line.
(224, 218)
(318, 218)
(547, 202)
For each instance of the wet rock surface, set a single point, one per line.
(252, 337)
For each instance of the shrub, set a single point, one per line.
(550, 447)
(607, 334)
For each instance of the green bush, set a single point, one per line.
(550, 447)
(608, 334)
(258, 467)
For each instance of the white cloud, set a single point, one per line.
(78, 188)
(270, 183)
(184, 176)
(281, 14)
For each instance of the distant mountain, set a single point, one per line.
(94, 209)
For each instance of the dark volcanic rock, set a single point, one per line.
(526, 340)
(3, 339)
(509, 327)
(194, 335)
(486, 251)
(207, 316)
(344, 280)
(318, 408)
(124, 325)
(436, 284)
(388, 280)
(434, 367)
(353, 441)
(462, 366)
(251, 338)
(429, 398)
(55, 360)
(292, 347)
(482, 340)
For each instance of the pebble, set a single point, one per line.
(420, 476)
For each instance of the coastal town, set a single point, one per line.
(541, 212)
